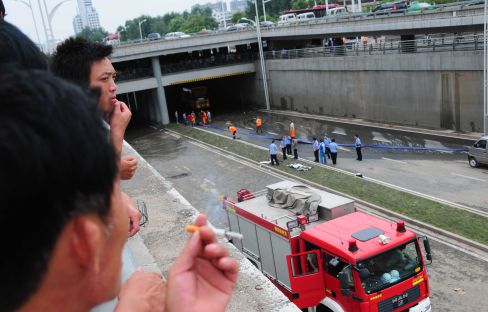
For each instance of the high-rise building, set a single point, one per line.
(87, 16)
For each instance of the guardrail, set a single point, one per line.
(456, 8)
(427, 44)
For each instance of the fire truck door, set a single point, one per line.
(306, 278)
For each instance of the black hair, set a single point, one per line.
(74, 57)
(2, 10)
(17, 48)
(333, 140)
(56, 163)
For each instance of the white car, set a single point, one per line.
(175, 35)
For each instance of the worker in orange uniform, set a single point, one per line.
(232, 130)
(259, 124)
(204, 118)
(292, 129)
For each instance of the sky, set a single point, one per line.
(112, 13)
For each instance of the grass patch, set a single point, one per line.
(454, 220)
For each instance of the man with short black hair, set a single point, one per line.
(67, 255)
(67, 204)
(86, 64)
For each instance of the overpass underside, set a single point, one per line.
(224, 87)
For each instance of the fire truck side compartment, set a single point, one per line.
(268, 248)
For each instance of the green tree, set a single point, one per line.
(302, 4)
(93, 34)
(237, 17)
(175, 24)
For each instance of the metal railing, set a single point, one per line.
(424, 45)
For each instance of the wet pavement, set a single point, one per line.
(458, 280)
(438, 172)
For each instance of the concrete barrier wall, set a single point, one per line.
(440, 90)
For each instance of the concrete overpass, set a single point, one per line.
(448, 20)
(152, 72)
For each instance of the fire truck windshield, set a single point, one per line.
(391, 267)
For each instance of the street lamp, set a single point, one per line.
(485, 71)
(29, 5)
(140, 30)
(248, 20)
(261, 56)
(264, 8)
(224, 14)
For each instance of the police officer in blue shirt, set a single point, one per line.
(357, 143)
(333, 151)
(273, 151)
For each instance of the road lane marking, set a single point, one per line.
(339, 131)
(249, 128)
(272, 133)
(210, 182)
(152, 127)
(173, 134)
(468, 177)
(343, 149)
(380, 138)
(398, 161)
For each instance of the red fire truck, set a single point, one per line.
(326, 256)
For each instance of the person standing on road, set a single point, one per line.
(233, 131)
(176, 116)
(259, 124)
(327, 143)
(193, 119)
(323, 159)
(209, 117)
(288, 145)
(292, 130)
(357, 143)
(294, 145)
(333, 151)
(184, 118)
(315, 148)
(273, 151)
(204, 118)
(283, 146)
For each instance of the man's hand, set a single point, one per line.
(134, 214)
(204, 276)
(128, 166)
(142, 292)
(118, 120)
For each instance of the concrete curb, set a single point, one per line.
(468, 137)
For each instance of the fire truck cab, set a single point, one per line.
(321, 252)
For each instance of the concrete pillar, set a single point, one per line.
(157, 112)
(163, 107)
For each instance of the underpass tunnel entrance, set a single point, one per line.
(217, 95)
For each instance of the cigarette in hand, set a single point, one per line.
(218, 232)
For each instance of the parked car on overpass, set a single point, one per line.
(389, 8)
(238, 26)
(153, 36)
(175, 35)
(266, 24)
(417, 7)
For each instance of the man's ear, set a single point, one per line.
(87, 242)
